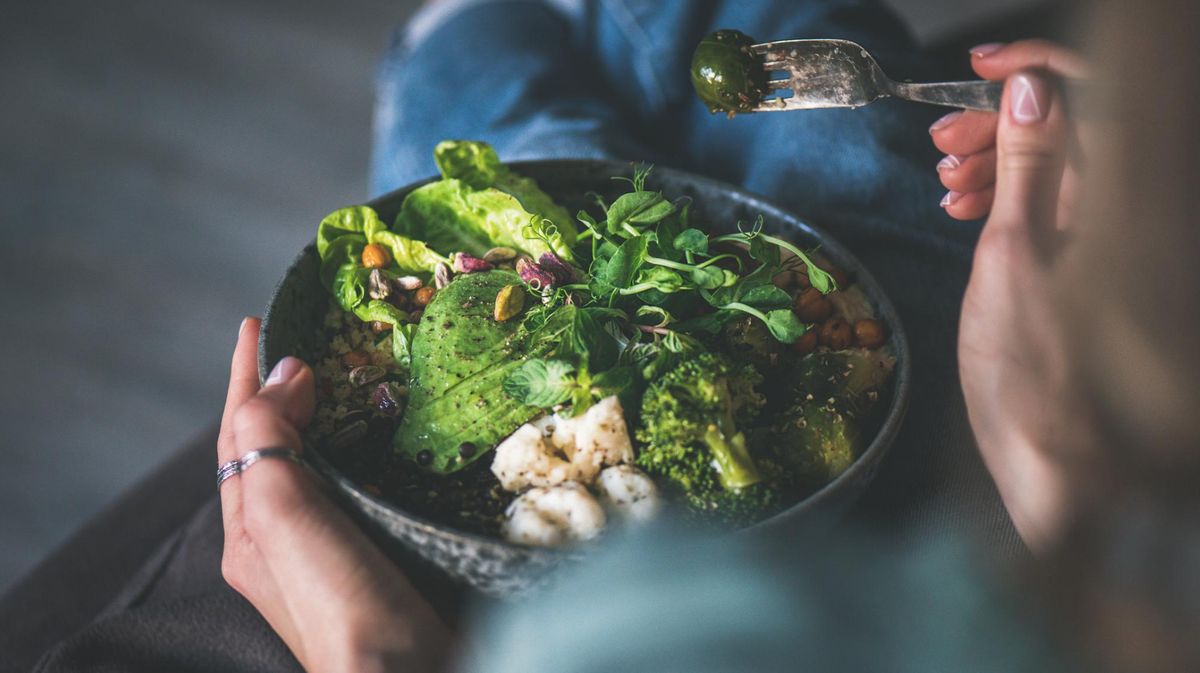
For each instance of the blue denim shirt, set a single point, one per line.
(609, 78)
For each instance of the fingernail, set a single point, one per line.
(1026, 100)
(284, 370)
(242, 327)
(945, 121)
(981, 50)
(950, 198)
(948, 163)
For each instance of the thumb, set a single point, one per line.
(1031, 148)
(274, 415)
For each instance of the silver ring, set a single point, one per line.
(227, 470)
(255, 456)
(235, 467)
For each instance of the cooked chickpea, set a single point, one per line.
(835, 333)
(379, 327)
(868, 333)
(813, 307)
(423, 296)
(375, 256)
(356, 359)
(805, 344)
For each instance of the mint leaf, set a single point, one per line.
(541, 383)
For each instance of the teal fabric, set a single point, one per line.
(663, 601)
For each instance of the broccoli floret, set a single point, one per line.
(836, 400)
(690, 439)
(814, 442)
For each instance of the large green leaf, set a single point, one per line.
(343, 222)
(450, 216)
(477, 165)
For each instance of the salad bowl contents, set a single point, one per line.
(500, 381)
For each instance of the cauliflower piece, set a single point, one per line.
(551, 450)
(525, 459)
(600, 438)
(553, 516)
(629, 492)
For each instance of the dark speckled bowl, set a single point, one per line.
(492, 565)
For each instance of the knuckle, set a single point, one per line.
(1022, 151)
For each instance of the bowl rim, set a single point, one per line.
(830, 246)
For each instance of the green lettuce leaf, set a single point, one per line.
(339, 252)
(409, 254)
(451, 217)
(381, 311)
(344, 222)
(478, 166)
(350, 285)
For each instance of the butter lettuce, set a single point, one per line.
(343, 233)
(480, 204)
(408, 254)
(341, 251)
(478, 166)
(452, 217)
(351, 221)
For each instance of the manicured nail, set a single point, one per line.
(948, 163)
(945, 121)
(1027, 97)
(284, 371)
(981, 50)
(950, 198)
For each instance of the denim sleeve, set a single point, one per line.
(503, 71)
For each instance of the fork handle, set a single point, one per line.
(976, 95)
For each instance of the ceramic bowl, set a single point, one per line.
(500, 568)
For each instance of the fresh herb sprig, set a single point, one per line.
(645, 253)
(654, 287)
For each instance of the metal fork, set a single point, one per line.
(840, 73)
